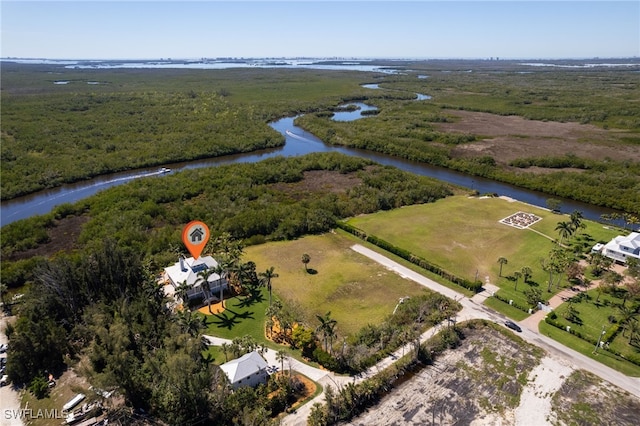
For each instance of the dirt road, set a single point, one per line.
(9, 397)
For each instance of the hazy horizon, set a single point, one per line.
(421, 30)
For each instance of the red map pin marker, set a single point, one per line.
(195, 236)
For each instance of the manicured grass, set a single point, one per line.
(435, 277)
(594, 317)
(243, 316)
(587, 348)
(357, 290)
(506, 309)
(464, 236)
(461, 234)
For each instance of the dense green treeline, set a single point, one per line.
(102, 121)
(268, 200)
(104, 313)
(88, 135)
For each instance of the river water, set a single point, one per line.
(298, 142)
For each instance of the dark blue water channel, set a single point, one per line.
(298, 142)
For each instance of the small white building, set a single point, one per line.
(188, 270)
(248, 370)
(621, 248)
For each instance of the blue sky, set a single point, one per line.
(364, 29)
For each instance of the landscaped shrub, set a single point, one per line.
(514, 304)
(325, 359)
(631, 358)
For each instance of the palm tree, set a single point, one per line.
(502, 261)
(627, 316)
(225, 348)
(576, 220)
(220, 269)
(281, 356)
(203, 279)
(189, 323)
(565, 229)
(267, 276)
(305, 260)
(517, 276)
(183, 292)
(526, 273)
(327, 328)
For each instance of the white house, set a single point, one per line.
(187, 270)
(621, 248)
(248, 370)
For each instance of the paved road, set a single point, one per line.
(472, 309)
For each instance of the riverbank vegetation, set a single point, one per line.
(276, 199)
(100, 121)
(598, 163)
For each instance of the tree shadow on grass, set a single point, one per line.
(250, 300)
(228, 319)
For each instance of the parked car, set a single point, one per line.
(512, 325)
(3, 348)
(4, 380)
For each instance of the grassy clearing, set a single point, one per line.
(460, 234)
(355, 289)
(407, 264)
(464, 236)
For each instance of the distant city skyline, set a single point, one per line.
(345, 29)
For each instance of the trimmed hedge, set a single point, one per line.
(475, 286)
(609, 336)
(515, 305)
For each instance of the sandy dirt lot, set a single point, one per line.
(494, 380)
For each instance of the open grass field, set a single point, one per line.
(355, 289)
(464, 236)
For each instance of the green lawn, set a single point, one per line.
(586, 348)
(464, 236)
(243, 316)
(592, 317)
(357, 290)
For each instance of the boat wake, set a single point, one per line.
(293, 135)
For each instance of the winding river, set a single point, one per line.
(298, 142)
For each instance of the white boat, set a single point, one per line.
(73, 402)
(165, 170)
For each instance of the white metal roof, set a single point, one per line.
(244, 366)
(188, 269)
